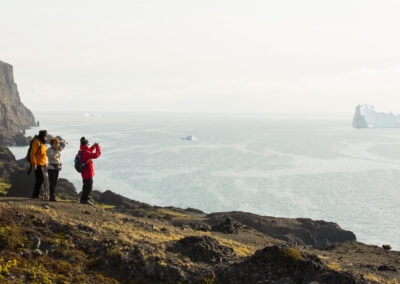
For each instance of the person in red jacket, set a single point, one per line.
(87, 175)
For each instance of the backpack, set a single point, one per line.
(80, 165)
(28, 155)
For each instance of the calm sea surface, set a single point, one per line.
(271, 165)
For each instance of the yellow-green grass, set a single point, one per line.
(4, 187)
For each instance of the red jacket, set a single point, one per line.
(87, 157)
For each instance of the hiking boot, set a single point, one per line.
(53, 199)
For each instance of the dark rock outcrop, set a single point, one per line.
(22, 185)
(111, 198)
(277, 264)
(203, 249)
(14, 116)
(8, 164)
(319, 234)
(229, 226)
(66, 190)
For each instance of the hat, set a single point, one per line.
(84, 141)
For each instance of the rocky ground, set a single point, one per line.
(126, 241)
(55, 242)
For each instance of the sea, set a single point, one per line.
(293, 166)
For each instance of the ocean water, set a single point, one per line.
(284, 166)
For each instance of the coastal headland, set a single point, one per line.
(119, 240)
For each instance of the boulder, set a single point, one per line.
(282, 264)
(203, 249)
(22, 186)
(228, 226)
(111, 198)
(66, 190)
(8, 164)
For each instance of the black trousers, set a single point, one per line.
(53, 177)
(86, 189)
(39, 179)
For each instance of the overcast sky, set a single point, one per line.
(307, 57)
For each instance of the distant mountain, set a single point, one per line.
(14, 116)
(365, 116)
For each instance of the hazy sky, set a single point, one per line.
(208, 56)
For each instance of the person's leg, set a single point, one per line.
(86, 189)
(56, 179)
(45, 189)
(90, 188)
(38, 182)
(52, 181)
(53, 198)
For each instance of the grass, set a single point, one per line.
(165, 212)
(290, 254)
(105, 206)
(239, 248)
(132, 233)
(46, 270)
(11, 238)
(334, 265)
(4, 187)
(59, 198)
(377, 279)
(373, 277)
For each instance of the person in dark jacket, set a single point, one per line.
(38, 158)
(87, 155)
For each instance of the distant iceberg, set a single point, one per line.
(189, 138)
(92, 115)
(366, 117)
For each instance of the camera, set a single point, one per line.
(62, 143)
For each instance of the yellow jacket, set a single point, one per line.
(38, 156)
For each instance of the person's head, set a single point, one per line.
(54, 142)
(43, 136)
(84, 141)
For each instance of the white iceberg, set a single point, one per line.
(366, 117)
(92, 115)
(189, 138)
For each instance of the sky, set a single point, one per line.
(286, 57)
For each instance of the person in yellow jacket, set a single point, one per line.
(39, 160)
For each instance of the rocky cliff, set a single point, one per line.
(14, 116)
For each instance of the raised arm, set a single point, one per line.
(94, 155)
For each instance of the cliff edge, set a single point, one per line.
(14, 116)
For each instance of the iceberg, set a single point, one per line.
(92, 115)
(189, 138)
(365, 116)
